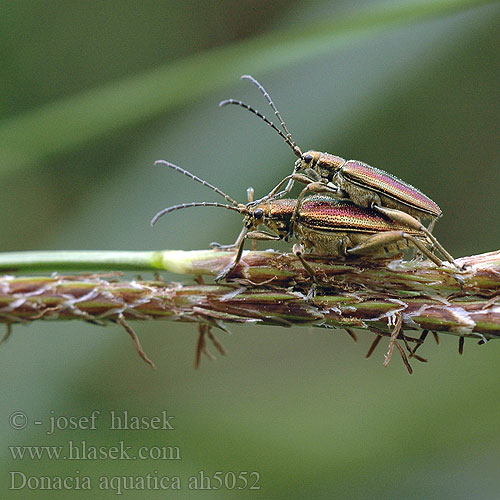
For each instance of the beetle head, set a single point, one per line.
(318, 165)
(274, 214)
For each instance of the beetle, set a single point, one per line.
(363, 184)
(329, 226)
(274, 214)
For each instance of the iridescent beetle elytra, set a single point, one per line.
(364, 185)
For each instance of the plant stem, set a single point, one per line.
(268, 288)
(430, 296)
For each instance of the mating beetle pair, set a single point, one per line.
(359, 182)
(356, 209)
(329, 226)
(347, 209)
(321, 223)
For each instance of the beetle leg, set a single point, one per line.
(388, 237)
(218, 246)
(408, 220)
(298, 250)
(251, 199)
(343, 247)
(239, 244)
(304, 179)
(275, 194)
(314, 187)
(262, 235)
(425, 250)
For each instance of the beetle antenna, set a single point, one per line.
(288, 137)
(167, 210)
(292, 144)
(265, 93)
(197, 179)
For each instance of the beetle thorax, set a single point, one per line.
(324, 165)
(274, 214)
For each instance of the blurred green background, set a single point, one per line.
(92, 93)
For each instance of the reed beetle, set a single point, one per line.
(359, 182)
(322, 224)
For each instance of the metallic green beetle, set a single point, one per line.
(323, 224)
(359, 182)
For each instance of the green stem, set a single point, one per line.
(81, 260)
(199, 262)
